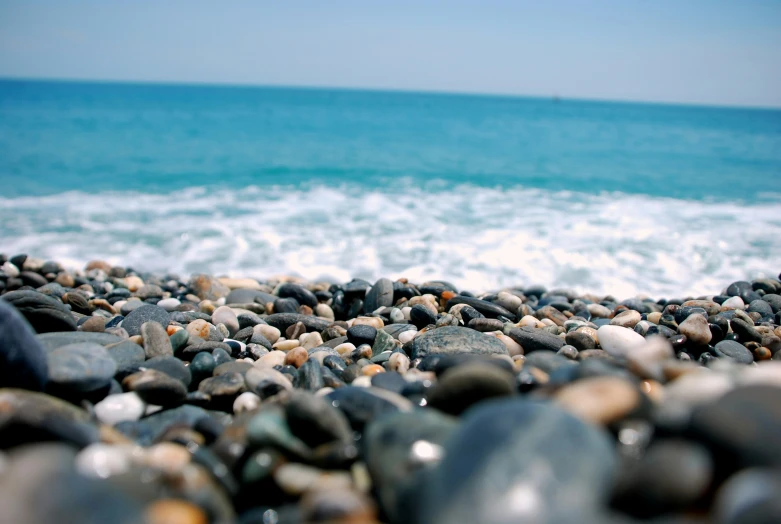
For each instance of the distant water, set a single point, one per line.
(483, 191)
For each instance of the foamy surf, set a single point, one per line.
(478, 238)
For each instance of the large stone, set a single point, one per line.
(619, 341)
(380, 295)
(520, 461)
(156, 341)
(362, 405)
(51, 341)
(45, 314)
(22, 358)
(532, 339)
(301, 294)
(141, 315)
(451, 340)
(463, 386)
(80, 368)
(315, 421)
(489, 309)
(282, 321)
(400, 445)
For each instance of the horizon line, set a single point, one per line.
(424, 91)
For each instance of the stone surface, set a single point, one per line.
(146, 313)
(22, 358)
(532, 339)
(734, 351)
(453, 340)
(156, 341)
(519, 461)
(45, 314)
(380, 295)
(618, 341)
(80, 368)
(463, 386)
(599, 400)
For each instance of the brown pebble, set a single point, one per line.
(94, 325)
(170, 511)
(653, 390)
(65, 280)
(305, 310)
(600, 399)
(98, 264)
(295, 331)
(172, 329)
(372, 369)
(762, 353)
(296, 357)
(101, 303)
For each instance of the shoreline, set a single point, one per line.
(210, 399)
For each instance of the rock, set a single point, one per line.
(40, 484)
(745, 331)
(120, 407)
(268, 429)
(310, 376)
(302, 295)
(155, 387)
(361, 334)
(618, 341)
(398, 446)
(141, 315)
(266, 382)
(51, 341)
(156, 341)
(246, 401)
(174, 511)
(315, 421)
(45, 314)
(599, 400)
(380, 295)
(695, 328)
(22, 358)
(671, 476)
(463, 386)
(382, 343)
(519, 461)
(171, 366)
(451, 340)
(743, 427)
(362, 405)
(128, 356)
(282, 321)
(532, 339)
(225, 315)
(420, 316)
(223, 389)
(206, 287)
(733, 350)
(80, 368)
(580, 340)
(486, 308)
(626, 319)
(749, 496)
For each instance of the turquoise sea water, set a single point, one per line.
(485, 191)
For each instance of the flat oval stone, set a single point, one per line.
(128, 357)
(451, 340)
(489, 309)
(618, 341)
(282, 321)
(120, 407)
(532, 339)
(744, 425)
(302, 295)
(315, 421)
(81, 367)
(171, 366)
(156, 387)
(696, 329)
(146, 313)
(463, 386)
(599, 400)
(733, 350)
(156, 341)
(51, 341)
(44, 313)
(380, 295)
(22, 358)
(362, 405)
(519, 461)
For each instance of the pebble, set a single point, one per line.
(22, 358)
(696, 329)
(246, 401)
(145, 313)
(155, 387)
(619, 341)
(225, 315)
(626, 319)
(80, 368)
(466, 385)
(599, 400)
(531, 339)
(733, 350)
(119, 408)
(156, 341)
(521, 457)
(451, 340)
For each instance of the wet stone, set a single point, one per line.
(45, 314)
(22, 358)
(733, 350)
(532, 339)
(156, 387)
(171, 366)
(452, 340)
(466, 385)
(128, 357)
(80, 368)
(361, 334)
(145, 313)
(156, 341)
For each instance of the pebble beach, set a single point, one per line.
(131, 397)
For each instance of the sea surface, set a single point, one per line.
(483, 191)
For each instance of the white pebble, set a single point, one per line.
(103, 460)
(120, 407)
(247, 401)
(169, 304)
(617, 341)
(406, 336)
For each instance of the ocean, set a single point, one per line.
(483, 191)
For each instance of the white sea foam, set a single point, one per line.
(478, 238)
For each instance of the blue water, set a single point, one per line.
(486, 191)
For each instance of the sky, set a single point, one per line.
(696, 51)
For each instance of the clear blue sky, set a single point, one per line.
(704, 51)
